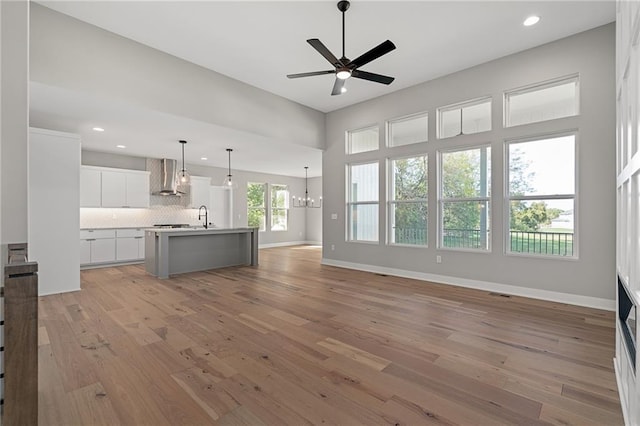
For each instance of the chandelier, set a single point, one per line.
(306, 201)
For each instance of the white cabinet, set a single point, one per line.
(129, 244)
(114, 189)
(125, 189)
(107, 246)
(97, 246)
(103, 250)
(137, 189)
(104, 187)
(199, 191)
(90, 187)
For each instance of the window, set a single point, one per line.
(465, 118)
(465, 198)
(362, 205)
(256, 207)
(555, 99)
(408, 130)
(279, 207)
(408, 201)
(541, 196)
(362, 140)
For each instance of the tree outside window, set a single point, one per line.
(256, 206)
(465, 198)
(279, 207)
(408, 201)
(541, 196)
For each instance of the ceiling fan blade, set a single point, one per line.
(322, 49)
(381, 49)
(378, 78)
(337, 87)
(309, 74)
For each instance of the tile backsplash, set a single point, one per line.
(125, 218)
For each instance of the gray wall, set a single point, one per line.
(124, 70)
(314, 216)
(592, 55)
(14, 128)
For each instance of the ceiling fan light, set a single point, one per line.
(343, 74)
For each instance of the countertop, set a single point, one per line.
(114, 227)
(199, 230)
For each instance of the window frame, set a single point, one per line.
(508, 198)
(441, 201)
(349, 203)
(530, 88)
(389, 128)
(264, 206)
(274, 209)
(348, 134)
(461, 106)
(391, 200)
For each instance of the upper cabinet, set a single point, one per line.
(90, 184)
(102, 187)
(199, 191)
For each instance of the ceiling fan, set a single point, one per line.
(345, 68)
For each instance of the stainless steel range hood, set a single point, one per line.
(168, 184)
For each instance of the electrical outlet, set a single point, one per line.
(334, 216)
(438, 259)
(333, 247)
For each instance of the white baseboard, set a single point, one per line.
(58, 292)
(554, 296)
(625, 409)
(288, 243)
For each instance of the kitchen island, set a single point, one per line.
(180, 250)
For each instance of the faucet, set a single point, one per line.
(206, 215)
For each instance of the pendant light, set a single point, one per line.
(182, 177)
(306, 202)
(228, 182)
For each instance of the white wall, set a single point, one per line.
(628, 205)
(54, 194)
(127, 71)
(14, 107)
(586, 280)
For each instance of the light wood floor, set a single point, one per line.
(295, 342)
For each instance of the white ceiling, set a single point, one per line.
(260, 42)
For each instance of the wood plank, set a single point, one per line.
(296, 342)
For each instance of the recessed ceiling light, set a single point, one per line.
(204, 158)
(531, 20)
(343, 89)
(121, 146)
(98, 129)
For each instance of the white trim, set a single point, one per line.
(625, 409)
(288, 243)
(58, 292)
(116, 170)
(554, 296)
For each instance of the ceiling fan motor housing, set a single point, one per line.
(343, 5)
